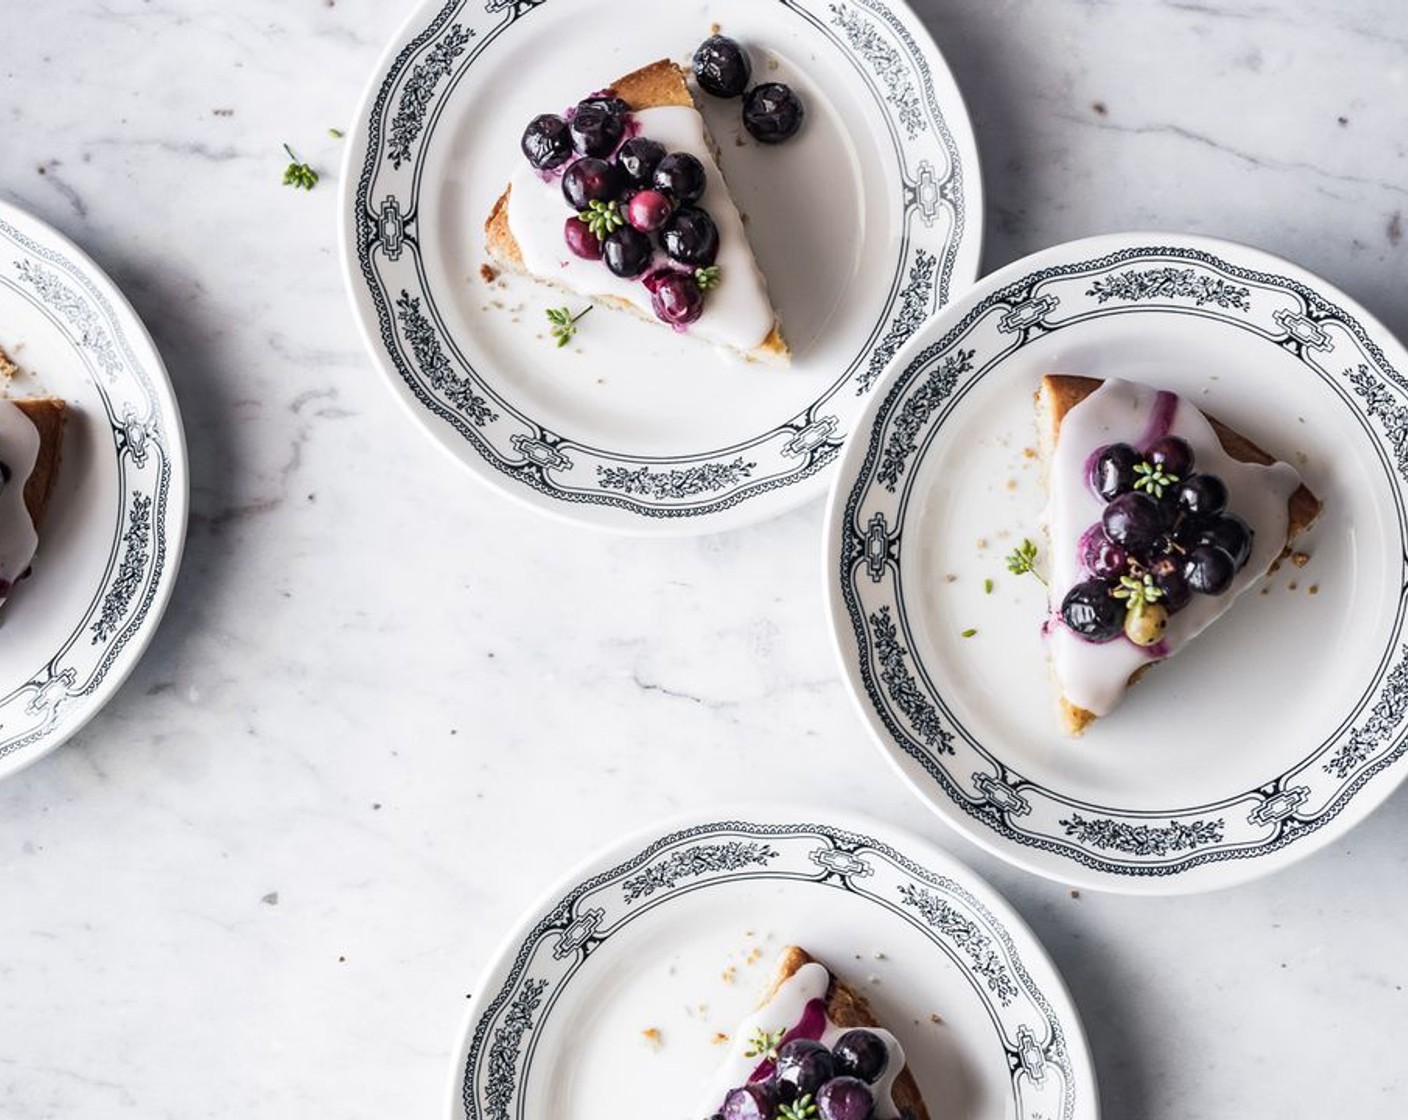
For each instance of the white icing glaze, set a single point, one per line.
(1093, 676)
(737, 314)
(784, 1010)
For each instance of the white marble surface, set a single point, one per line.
(388, 708)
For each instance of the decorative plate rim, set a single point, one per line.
(111, 328)
(812, 439)
(613, 861)
(988, 823)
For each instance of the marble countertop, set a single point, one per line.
(262, 882)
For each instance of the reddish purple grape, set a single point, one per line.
(676, 297)
(648, 211)
(581, 240)
(1104, 558)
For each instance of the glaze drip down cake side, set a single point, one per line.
(31, 438)
(621, 201)
(1158, 518)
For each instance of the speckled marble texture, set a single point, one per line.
(388, 708)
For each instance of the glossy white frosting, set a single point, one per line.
(1092, 675)
(783, 1012)
(737, 314)
(19, 449)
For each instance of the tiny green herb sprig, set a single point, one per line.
(1153, 479)
(764, 1044)
(1138, 592)
(564, 324)
(803, 1108)
(336, 133)
(298, 174)
(708, 278)
(1022, 560)
(602, 218)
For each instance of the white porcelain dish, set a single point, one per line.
(676, 932)
(111, 540)
(864, 224)
(1267, 737)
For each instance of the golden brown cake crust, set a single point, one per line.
(1059, 393)
(848, 1008)
(651, 87)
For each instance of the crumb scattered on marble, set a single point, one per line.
(1011, 485)
(652, 1036)
(271, 899)
(715, 28)
(1395, 229)
(1300, 559)
(950, 578)
(1075, 893)
(1100, 109)
(719, 1039)
(753, 957)
(879, 956)
(488, 273)
(1266, 591)
(1029, 453)
(1344, 122)
(773, 63)
(982, 542)
(936, 1019)
(1313, 589)
(729, 974)
(1292, 585)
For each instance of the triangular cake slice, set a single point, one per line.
(813, 1035)
(1158, 518)
(31, 438)
(525, 230)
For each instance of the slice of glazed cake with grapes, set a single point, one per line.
(813, 1051)
(620, 200)
(1158, 517)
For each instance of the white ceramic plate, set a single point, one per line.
(1269, 736)
(112, 536)
(864, 224)
(644, 936)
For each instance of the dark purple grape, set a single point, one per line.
(1113, 471)
(861, 1054)
(591, 180)
(803, 1065)
(749, 1102)
(627, 252)
(681, 176)
(845, 1098)
(675, 296)
(772, 113)
(1103, 557)
(547, 142)
(1231, 534)
(1167, 571)
(722, 67)
(1172, 454)
(581, 240)
(1209, 570)
(691, 237)
(1133, 521)
(638, 158)
(598, 125)
(1201, 495)
(1092, 612)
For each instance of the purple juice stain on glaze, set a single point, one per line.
(811, 1025)
(1161, 418)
